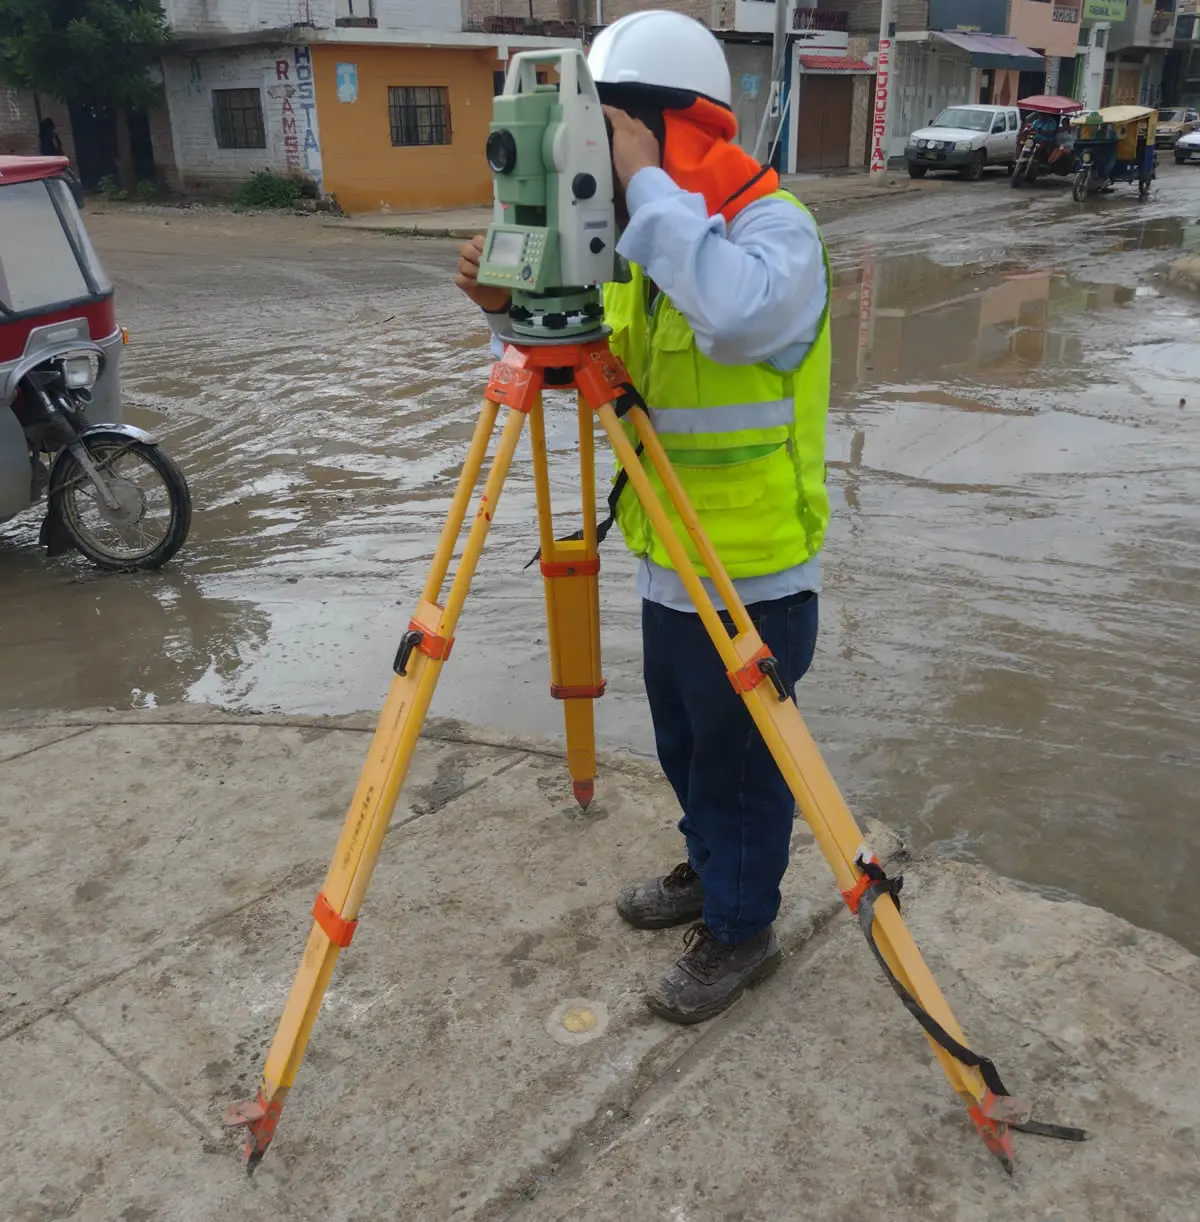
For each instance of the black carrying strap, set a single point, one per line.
(881, 885)
(628, 398)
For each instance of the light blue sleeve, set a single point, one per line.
(496, 323)
(752, 291)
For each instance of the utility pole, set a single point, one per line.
(883, 74)
(773, 114)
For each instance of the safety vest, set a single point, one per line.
(747, 441)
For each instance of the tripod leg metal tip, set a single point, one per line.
(259, 1120)
(585, 791)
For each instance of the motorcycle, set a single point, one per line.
(1045, 143)
(111, 491)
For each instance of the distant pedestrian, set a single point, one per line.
(49, 145)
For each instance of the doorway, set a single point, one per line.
(823, 130)
(96, 143)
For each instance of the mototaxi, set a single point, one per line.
(1114, 144)
(1046, 141)
(110, 490)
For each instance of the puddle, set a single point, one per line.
(911, 317)
(1160, 233)
(1007, 663)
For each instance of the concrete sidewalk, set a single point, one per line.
(158, 871)
(820, 194)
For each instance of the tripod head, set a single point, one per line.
(553, 238)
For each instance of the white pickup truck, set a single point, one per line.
(967, 139)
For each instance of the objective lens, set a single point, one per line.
(501, 152)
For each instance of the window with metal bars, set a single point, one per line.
(419, 114)
(238, 118)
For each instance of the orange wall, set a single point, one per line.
(1032, 23)
(362, 168)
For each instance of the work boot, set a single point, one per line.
(660, 902)
(711, 975)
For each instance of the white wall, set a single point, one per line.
(1093, 64)
(758, 16)
(415, 14)
(284, 77)
(243, 16)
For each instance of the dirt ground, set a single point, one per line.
(1007, 669)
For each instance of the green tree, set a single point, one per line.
(94, 51)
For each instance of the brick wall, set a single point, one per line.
(19, 123)
(284, 78)
(864, 14)
(165, 170)
(862, 105)
(240, 16)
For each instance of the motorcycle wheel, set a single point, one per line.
(1018, 175)
(154, 505)
(1080, 186)
(1143, 188)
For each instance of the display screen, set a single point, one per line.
(506, 248)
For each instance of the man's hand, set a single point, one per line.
(488, 297)
(634, 145)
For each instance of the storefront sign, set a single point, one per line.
(1104, 10)
(879, 125)
(975, 16)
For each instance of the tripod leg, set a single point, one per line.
(570, 569)
(796, 754)
(418, 665)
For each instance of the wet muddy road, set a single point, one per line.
(1008, 661)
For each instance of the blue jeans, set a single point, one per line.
(737, 808)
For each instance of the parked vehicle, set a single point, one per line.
(1174, 122)
(1187, 148)
(110, 490)
(1114, 144)
(967, 139)
(1046, 142)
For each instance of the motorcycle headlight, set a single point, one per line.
(963, 146)
(79, 372)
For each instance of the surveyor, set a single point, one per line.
(724, 328)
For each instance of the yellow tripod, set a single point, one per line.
(570, 569)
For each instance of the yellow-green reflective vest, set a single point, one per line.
(747, 441)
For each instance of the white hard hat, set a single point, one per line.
(664, 51)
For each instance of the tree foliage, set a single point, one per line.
(83, 50)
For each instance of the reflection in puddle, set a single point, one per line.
(1160, 233)
(912, 318)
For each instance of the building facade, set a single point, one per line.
(383, 104)
(1181, 74)
(964, 53)
(1138, 45)
(1096, 19)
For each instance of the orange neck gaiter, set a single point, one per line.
(699, 155)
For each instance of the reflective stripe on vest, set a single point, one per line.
(733, 418)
